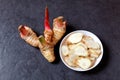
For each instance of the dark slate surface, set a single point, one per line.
(20, 61)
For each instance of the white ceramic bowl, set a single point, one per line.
(95, 39)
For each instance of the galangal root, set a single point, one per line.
(47, 42)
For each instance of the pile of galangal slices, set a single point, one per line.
(80, 50)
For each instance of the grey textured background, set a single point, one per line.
(20, 61)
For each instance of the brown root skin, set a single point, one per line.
(30, 37)
(46, 44)
(49, 54)
(47, 49)
(59, 29)
(48, 35)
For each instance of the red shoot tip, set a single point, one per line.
(46, 21)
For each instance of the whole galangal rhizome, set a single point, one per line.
(47, 42)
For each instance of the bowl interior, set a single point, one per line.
(95, 39)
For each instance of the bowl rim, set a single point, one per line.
(95, 37)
